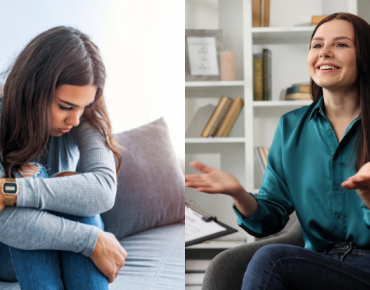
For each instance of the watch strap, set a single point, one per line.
(10, 200)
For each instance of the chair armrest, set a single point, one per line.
(226, 271)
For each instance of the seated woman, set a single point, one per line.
(54, 116)
(319, 166)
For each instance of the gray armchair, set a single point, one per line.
(227, 269)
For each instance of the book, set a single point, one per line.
(257, 77)
(256, 13)
(266, 74)
(316, 19)
(263, 156)
(217, 116)
(230, 117)
(260, 13)
(259, 160)
(200, 226)
(194, 278)
(196, 265)
(297, 89)
(298, 96)
(266, 153)
(265, 13)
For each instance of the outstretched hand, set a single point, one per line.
(361, 182)
(213, 180)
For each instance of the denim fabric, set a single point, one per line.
(278, 267)
(49, 269)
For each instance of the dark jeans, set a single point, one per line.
(278, 267)
(49, 269)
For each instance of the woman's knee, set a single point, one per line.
(271, 256)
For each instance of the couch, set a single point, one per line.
(148, 215)
(226, 271)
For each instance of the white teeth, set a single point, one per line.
(327, 67)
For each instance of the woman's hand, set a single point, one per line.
(213, 181)
(28, 170)
(108, 255)
(361, 182)
(218, 181)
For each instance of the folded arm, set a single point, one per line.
(31, 229)
(90, 192)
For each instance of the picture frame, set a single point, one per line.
(202, 54)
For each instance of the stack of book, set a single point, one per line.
(262, 76)
(261, 155)
(316, 19)
(261, 13)
(223, 117)
(300, 91)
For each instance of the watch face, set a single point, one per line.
(10, 188)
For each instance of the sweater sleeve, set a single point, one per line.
(274, 200)
(31, 229)
(90, 192)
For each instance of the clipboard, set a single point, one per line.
(200, 226)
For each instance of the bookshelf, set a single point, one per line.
(288, 39)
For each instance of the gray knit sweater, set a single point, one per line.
(28, 226)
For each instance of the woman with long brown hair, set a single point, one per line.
(319, 166)
(54, 120)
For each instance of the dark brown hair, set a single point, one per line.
(58, 56)
(362, 44)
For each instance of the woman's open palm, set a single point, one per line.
(361, 182)
(212, 181)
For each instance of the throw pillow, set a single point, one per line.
(150, 184)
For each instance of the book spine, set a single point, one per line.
(262, 13)
(298, 96)
(297, 89)
(212, 119)
(265, 74)
(259, 160)
(263, 156)
(197, 265)
(220, 117)
(269, 75)
(230, 118)
(257, 79)
(267, 13)
(256, 13)
(266, 151)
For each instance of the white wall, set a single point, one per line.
(142, 47)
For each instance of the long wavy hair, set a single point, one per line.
(362, 44)
(58, 56)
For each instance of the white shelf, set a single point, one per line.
(281, 103)
(214, 140)
(281, 34)
(214, 84)
(217, 245)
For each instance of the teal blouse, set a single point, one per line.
(305, 168)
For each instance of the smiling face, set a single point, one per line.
(67, 107)
(332, 56)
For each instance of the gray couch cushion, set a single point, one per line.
(155, 261)
(151, 185)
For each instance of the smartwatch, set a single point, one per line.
(10, 190)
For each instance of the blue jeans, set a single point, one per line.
(50, 269)
(277, 267)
